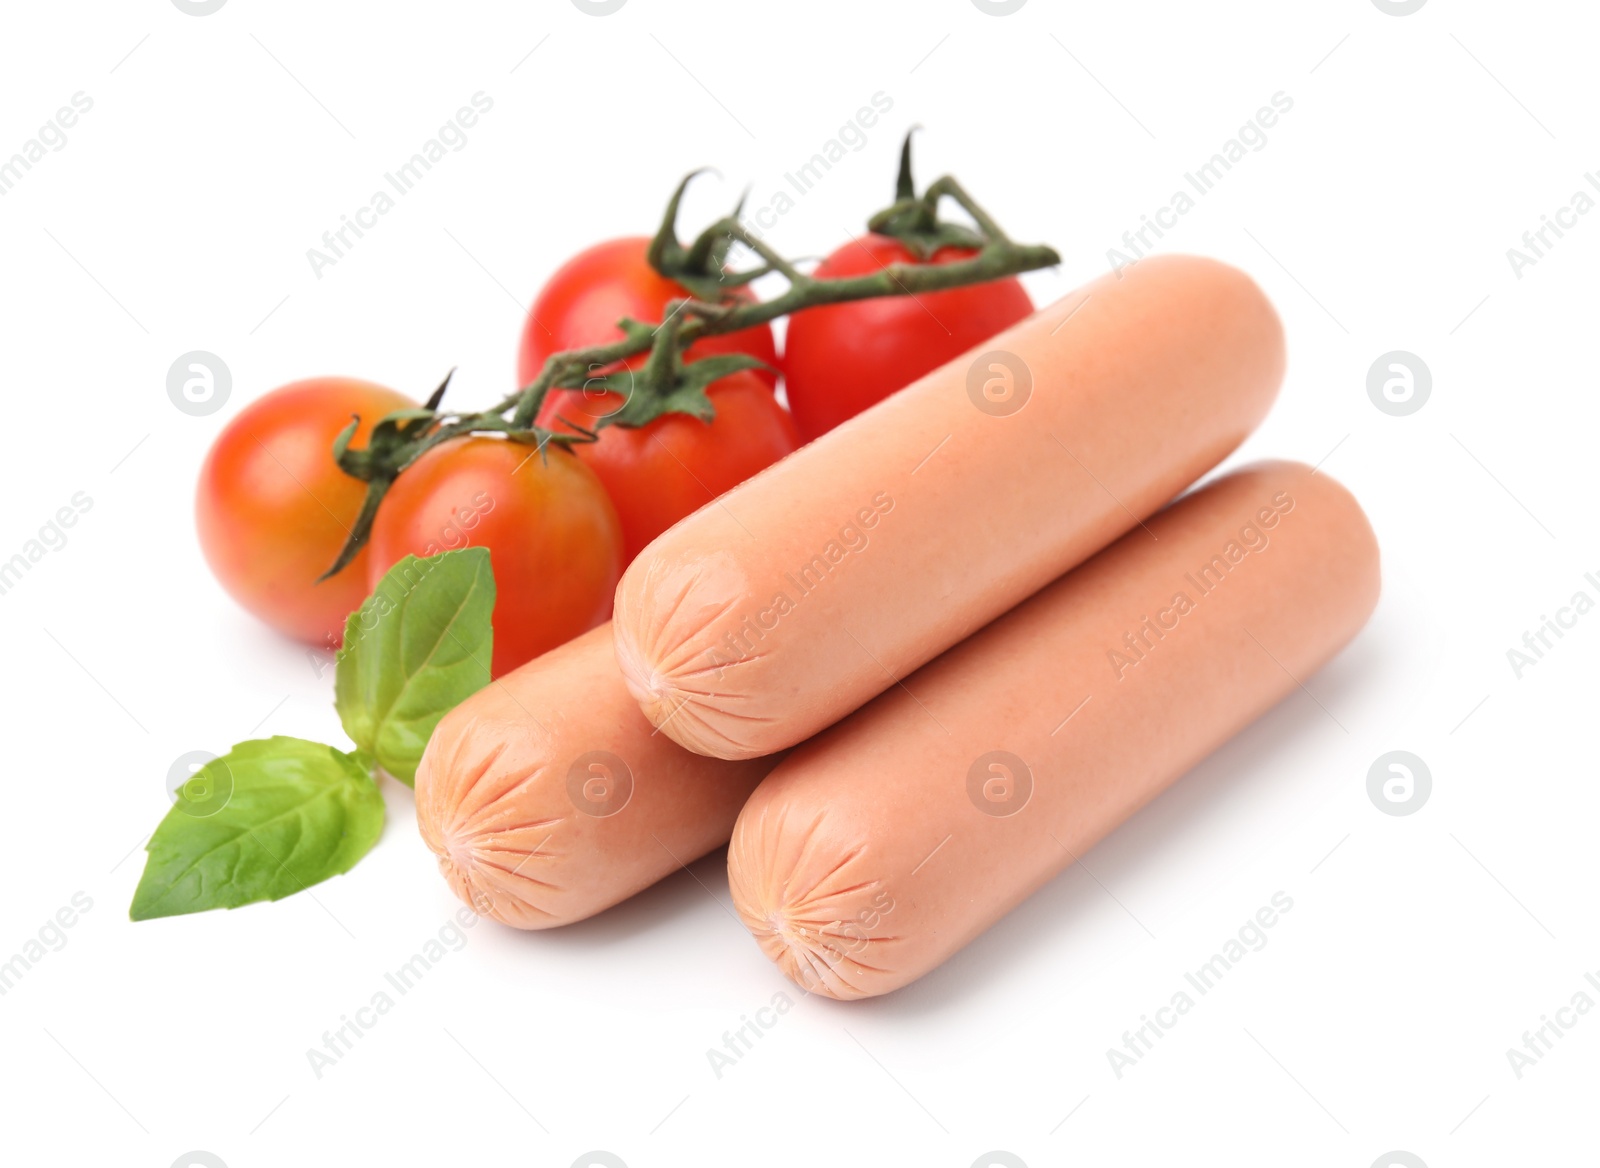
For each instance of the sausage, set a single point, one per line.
(881, 847)
(547, 796)
(769, 615)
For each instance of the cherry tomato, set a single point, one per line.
(582, 302)
(658, 473)
(841, 358)
(273, 508)
(552, 535)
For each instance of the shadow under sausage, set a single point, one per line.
(664, 905)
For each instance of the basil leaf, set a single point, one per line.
(269, 818)
(416, 648)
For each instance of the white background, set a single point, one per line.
(1378, 216)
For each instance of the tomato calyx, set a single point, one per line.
(392, 433)
(915, 221)
(672, 387)
(398, 440)
(702, 266)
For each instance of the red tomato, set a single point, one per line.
(273, 508)
(552, 536)
(841, 358)
(658, 473)
(582, 302)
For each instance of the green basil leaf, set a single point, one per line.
(269, 818)
(416, 648)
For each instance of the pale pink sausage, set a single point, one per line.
(884, 845)
(775, 611)
(547, 796)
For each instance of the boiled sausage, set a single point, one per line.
(547, 797)
(884, 845)
(771, 613)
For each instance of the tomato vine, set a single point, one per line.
(666, 383)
